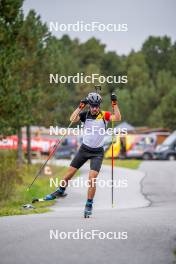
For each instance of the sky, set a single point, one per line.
(143, 17)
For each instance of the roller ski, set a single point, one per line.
(57, 194)
(88, 209)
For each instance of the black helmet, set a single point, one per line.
(94, 99)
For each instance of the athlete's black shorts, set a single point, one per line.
(84, 153)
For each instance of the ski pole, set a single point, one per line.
(58, 142)
(112, 166)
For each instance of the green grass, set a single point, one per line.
(20, 196)
(174, 256)
(13, 206)
(130, 164)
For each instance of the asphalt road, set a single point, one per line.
(145, 211)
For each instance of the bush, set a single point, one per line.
(9, 173)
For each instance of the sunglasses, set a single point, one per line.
(94, 106)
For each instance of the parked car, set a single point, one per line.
(145, 147)
(67, 149)
(167, 150)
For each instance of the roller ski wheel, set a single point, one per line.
(87, 212)
(35, 200)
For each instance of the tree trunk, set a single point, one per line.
(28, 135)
(20, 151)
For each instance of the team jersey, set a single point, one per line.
(94, 128)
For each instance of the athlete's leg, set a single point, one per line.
(79, 159)
(69, 174)
(63, 184)
(91, 192)
(60, 192)
(95, 165)
(77, 162)
(92, 184)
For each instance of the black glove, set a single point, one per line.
(83, 103)
(113, 99)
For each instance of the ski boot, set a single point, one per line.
(57, 194)
(88, 209)
(48, 197)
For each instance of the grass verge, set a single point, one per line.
(20, 196)
(174, 256)
(130, 164)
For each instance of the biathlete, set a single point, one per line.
(94, 120)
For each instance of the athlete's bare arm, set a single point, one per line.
(75, 115)
(117, 115)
